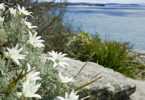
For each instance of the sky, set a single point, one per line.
(110, 1)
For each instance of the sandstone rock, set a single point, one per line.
(140, 90)
(112, 85)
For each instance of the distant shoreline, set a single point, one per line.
(82, 6)
(96, 5)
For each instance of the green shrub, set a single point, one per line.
(81, 46)
(110, 54)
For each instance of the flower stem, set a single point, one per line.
(7, 66)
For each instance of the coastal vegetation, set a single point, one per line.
(27, 33)
(48, 18)
(80, 45)
(111, 54)
(24, 73)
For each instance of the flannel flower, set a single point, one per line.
(35, 40)
(2, 6)
(29, 85)
(29, 90)
(65, 79)
(29, 24)
(71, 96)
(33, 75)
(58, 59)
(23, 11)
(14, 54)
(12, 11)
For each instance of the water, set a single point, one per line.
(122, 23)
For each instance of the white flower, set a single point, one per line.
(23, 10)
(1, 19)
(65, 79)
(35, 41)
(32, 76)
(13, 11)
(58, 59)
(14, 54)
(30, 88)
(29, 25)
(71, 96)
(2, 6)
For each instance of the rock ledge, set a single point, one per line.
(112, 85)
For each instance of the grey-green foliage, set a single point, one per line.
(13, 32)
(49, 19)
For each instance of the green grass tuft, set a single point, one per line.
(111, 54)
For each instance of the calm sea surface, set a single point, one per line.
(112, 22)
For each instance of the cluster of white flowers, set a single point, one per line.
(58, 60)
(29, 86)
(15, 54)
